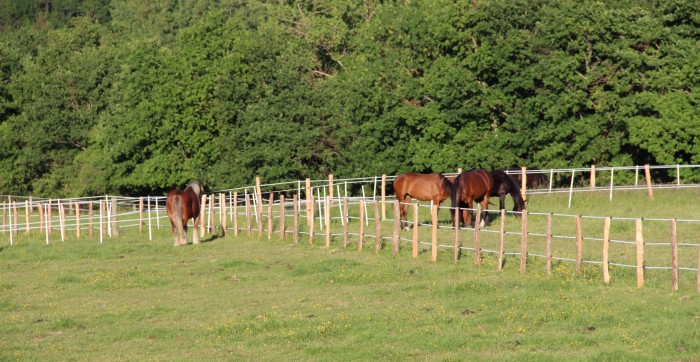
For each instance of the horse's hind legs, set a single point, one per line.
(195, 235)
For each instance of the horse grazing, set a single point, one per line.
(432, 186)
(182, 206)
(469, 186)
(504, 185)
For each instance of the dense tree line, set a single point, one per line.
(135, 97)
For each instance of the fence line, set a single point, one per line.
(73, 215)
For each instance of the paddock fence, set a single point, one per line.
(353, 213)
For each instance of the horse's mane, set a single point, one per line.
(196, 187)
(446, 183)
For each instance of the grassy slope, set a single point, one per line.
(258, 299)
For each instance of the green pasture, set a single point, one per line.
(254, 298)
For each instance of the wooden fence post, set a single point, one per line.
(579, 244)
(223, 213)
(61, 218)
(477, 247)
(502, 236)
(282, 216)
(330, 186)
(523, 243)
(258, 204)
(77, 220)
(548, 246)
(456, 226)
(103, 209)
(49, 217)
(346, 219)
(26, 217)
(674, 255)
(202, 216)
(606, 248)
(397, 225)
(140, 215)
(362, 225)
(640, 254)
(647, 175)
(234, 212)
(383, 192)
(115, 213)
(377, 228)
(90, 218)
(309, 202)
(248, 221)
(592, 176)
(415, 230)
(698, 273)
(40, 208)
(295, 208)
(269, 215)
(27, 226)
(311, 216)
(328, 220)
(434, 219)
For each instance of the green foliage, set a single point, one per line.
(137, 97)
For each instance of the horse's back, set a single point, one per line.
(421, 186)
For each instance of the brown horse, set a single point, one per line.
(182, 206)
(425, 187)
(470, 186)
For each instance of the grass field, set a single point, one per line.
(250, 298)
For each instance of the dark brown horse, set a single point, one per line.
(183, 206)
(425, 187)
(470, 186)
(534, 178)
(503, 185)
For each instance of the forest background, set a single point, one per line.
(135, 97)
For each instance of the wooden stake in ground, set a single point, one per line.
(282, 216)
(345, 222)
(310, 215)
(397, 225)
(362, 225)
(548, 246)
(434, 219)
(328, 220)
(377, 229)
(269, 216)
(647, 176)
(295, 207)
(606, 248)
(477, 248)
(579, 244)
(415, 230)
(501, 239)
(456, 227)
(234, 212)
(674, 255)
(523, 243)
(640, 254)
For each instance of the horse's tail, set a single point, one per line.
(177, 207)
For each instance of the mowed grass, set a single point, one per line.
(254, 298)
